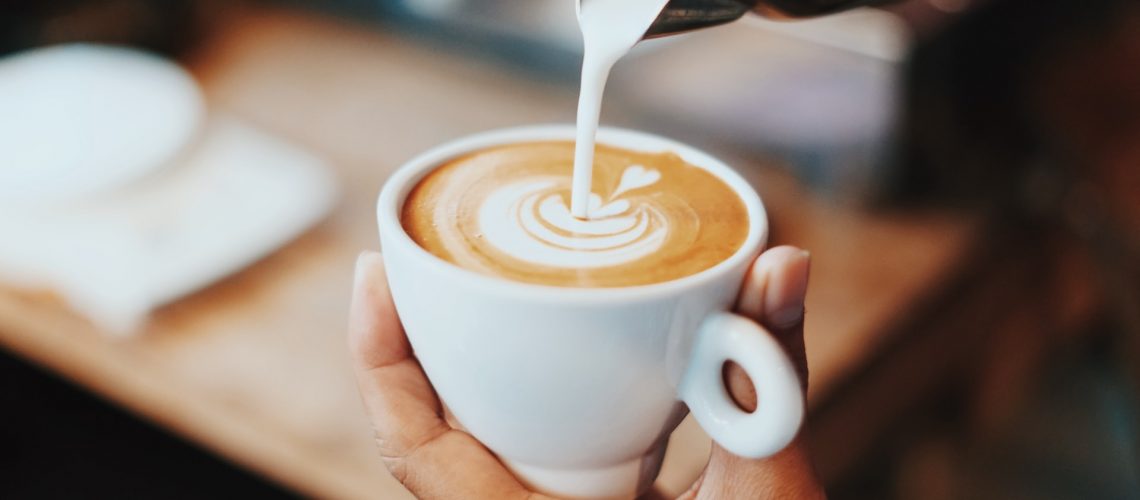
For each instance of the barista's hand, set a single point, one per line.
(435, 461)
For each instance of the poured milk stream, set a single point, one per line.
(624, 218)
(610, 28)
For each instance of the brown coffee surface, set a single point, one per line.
(504, 211)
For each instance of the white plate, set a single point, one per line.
(80, 119)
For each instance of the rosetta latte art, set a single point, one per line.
(506, 212)
(530, 221)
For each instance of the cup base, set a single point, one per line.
(619, 481)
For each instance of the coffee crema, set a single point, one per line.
(505, 211)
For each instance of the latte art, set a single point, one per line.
(506, 212)
(531, 222)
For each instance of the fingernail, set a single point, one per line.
(786, 291)
(751, 300)
(365, 265)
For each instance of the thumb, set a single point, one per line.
(773, 295)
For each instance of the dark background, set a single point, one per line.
(58, 441)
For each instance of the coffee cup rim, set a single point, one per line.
(395, 190)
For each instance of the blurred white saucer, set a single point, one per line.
(117, 231)
(78, 119)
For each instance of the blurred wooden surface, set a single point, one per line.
(255, 367)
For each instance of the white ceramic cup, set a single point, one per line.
(577, 390)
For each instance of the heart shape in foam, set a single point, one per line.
(636, 177)
(599, 211)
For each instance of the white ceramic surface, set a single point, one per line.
(577, 390)
(81, 119)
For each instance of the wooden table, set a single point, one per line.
(255, 367)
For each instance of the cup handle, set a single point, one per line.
(723, 337)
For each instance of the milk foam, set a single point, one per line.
(505, 211)
(530, 221)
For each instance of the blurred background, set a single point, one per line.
(966, 174)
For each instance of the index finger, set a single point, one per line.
(376, 338)
(401, 403)
(419, 448)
